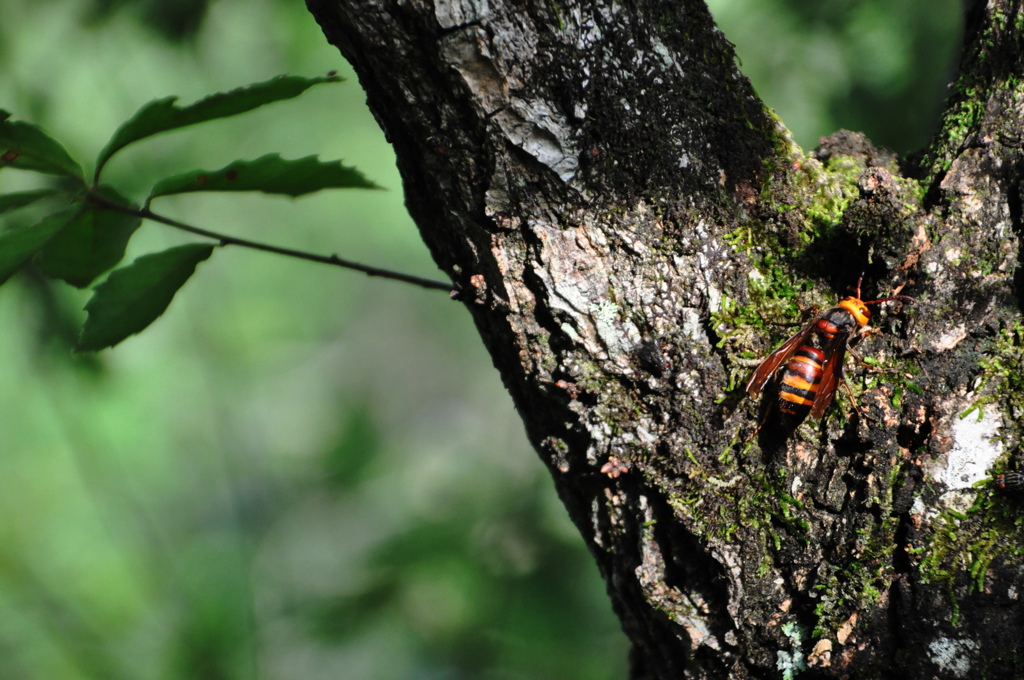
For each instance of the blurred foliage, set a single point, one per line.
(874, 66)
(174, 20)
(300, 472)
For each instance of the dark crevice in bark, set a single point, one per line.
(1015, 203)
(690, 569)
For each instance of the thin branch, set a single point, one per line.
(146, 213)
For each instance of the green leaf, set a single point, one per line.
(27, 147)
(17, 246)
(20, 199)
(133, 297)
(161, 115)
(93, 242)
(270, 174)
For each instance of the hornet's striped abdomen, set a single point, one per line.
(800, 381)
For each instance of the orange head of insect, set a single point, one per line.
(858, 308)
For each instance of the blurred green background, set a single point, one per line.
(299, 472)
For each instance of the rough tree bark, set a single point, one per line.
(622, 215)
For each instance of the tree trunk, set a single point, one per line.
(628, 225)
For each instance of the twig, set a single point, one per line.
(225, 240)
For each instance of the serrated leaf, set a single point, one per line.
(17, 246)
(20, 199)
(134, 296)
(162, 115)
(93, 242)
(27, 147)
(270, 174)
